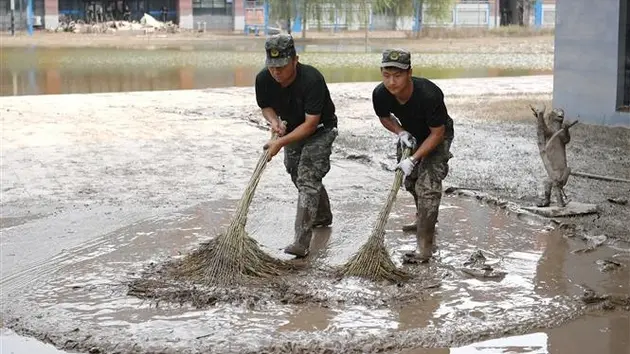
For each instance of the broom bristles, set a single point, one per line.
(233, 256)
(372, 261)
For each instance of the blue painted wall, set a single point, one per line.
(587, 61)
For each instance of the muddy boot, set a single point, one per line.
(303, 228)
(411, 227)
(297, 249)
(324, 216)
(423, 255)
(425, 251)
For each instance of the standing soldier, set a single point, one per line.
(287, 90)
(413, 108)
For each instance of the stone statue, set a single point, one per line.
(553, 136)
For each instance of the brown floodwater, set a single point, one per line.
(82, 287)
(37, 71)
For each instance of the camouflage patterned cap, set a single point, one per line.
(280, 48)
(398, 58)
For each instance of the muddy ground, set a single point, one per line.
(102, 186)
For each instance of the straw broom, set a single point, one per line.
(234, 255)
(372, 260)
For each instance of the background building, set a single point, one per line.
(239, 15)
(592, 62)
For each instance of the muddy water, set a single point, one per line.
(33, 71)
(81, 293)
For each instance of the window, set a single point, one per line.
(213, 7)
(623, 101)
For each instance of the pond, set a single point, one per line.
(35, 71)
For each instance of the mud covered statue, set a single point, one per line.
(553, 137)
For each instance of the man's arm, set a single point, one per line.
(302, 131)
(431, 142)
(391, 123)
(270, 115)
(263, 102)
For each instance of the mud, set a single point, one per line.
(135, 181)
(443, 308)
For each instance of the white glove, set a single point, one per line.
(405, 139)
(406, 166)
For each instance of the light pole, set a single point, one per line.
(289, 16)
(13, 17)
(29, 17)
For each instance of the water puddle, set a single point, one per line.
(35, 71)
(11, 343)
(85, 289)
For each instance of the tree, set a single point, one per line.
(356, 10)
(289, 9)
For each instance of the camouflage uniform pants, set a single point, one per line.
(307, 162)
(425, 184)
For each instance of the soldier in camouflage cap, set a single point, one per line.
(297, 93)
(396, 58)
(413, 108)
(280, 49)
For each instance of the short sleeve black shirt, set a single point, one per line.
(424, 109)
(308, 94)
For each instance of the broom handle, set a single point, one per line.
(248, 195)
(391, 198)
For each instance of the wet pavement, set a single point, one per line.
(130, 180)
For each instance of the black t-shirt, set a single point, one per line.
(425, 108)
(308, 94)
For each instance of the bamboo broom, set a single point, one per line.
(372, 260)
(234, 255)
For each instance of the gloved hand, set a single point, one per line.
(406, 166)
(405, 139)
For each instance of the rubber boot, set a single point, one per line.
(424, 240)
(324, 216)
(303, 227)
(411, 227)
(425, 250)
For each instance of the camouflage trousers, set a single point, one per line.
(308, 162)
(425, 184)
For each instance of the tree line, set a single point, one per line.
(355, 10)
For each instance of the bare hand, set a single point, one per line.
(279, 127)
(272, 146)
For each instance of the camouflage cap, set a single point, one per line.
(398, 58)
(280, 48)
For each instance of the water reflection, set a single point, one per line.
(30, 71)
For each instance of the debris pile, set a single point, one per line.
(146, 24)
